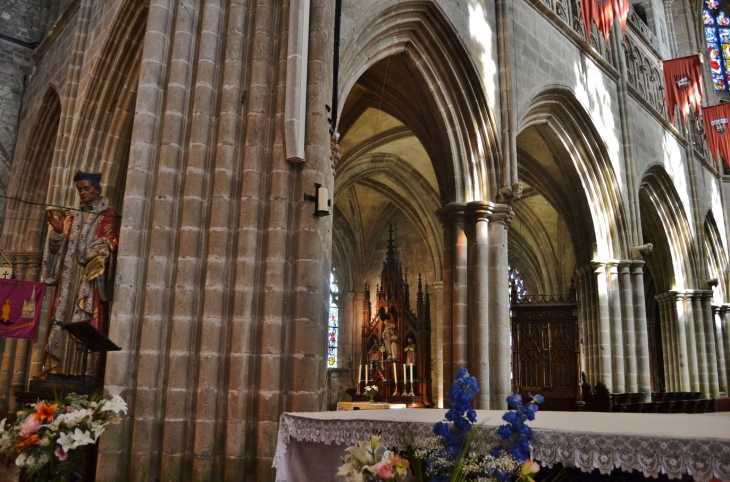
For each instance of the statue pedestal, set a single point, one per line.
(60, 385)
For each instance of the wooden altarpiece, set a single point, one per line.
(394, 337)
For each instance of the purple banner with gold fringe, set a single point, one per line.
(20, 308)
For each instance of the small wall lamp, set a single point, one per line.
(321, 202)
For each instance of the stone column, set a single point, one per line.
(725, 320)
(604, 354)
(710, 345)
(671, 33)
(460, 288)
(499, 323)
(437, 342)
(479, 308)
(643, 371)
(617, 337)
(348, 347)
(629, 326)
(719, 352)
(725, 312)
(665, 341)
(692, 341)
(583, 317)
(683, 327)
(701, 339)
(448, 297)
(672, 347)
(591, 314)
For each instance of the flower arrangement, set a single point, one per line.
(45, 437)
(458, 451)
(369, 461)
(371, 391)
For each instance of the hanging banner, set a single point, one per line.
(20, 308)
(603, 14)
(683, 85)
(715, 119)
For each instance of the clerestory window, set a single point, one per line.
(717, 33)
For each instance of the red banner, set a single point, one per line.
(715, 119)
(604, 13)
(20, 308)
(683, 84)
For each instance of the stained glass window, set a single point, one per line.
(516, 282)
(334, 316)
(717, 33)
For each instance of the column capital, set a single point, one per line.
(598, 266)
(480, 210)
(638, 265)
(451, 213)
(502, 214)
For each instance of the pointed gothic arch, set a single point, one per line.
(25, 221)
(455, 123)
(101, 137)
(674, 264)
(717, 258)
(581, 165)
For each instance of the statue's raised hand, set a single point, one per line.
(55, 218)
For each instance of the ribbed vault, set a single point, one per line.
(406, 48)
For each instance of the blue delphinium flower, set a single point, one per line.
(515, 433)
(461, 415)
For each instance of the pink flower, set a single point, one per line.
(30, 426)
(385, 471)
(60, 454)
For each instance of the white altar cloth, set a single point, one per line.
(310, 445)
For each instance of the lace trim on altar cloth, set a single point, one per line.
(703, 459)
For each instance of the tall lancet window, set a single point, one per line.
(717, 33)
(334, 318)
(516, 282)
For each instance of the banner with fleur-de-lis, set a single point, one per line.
(20, 308)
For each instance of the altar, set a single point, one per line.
(310, 445)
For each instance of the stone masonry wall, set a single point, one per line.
(20, 30)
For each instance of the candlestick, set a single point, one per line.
(395, 378)
(367, 378)
(412, 392)
(359, 374)
(405, 378)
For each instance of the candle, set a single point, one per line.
(405, 378)
(359, 373)
(366, 373)
(395, 375)
(411, 376)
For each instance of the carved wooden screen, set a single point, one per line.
(545, 358)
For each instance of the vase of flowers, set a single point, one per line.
(458, 451)
(370, 392)
(47, 439)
